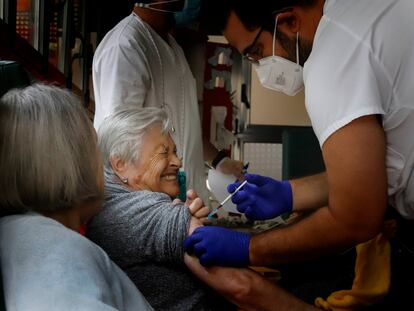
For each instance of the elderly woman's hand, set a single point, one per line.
(191, 196)
(197, 209)
(195, 205)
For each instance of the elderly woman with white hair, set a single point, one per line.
(140, 226)
(51, 182)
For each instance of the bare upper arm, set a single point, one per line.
(355, 164)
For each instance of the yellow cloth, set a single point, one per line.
(372, 277)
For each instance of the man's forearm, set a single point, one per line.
(314, 236)
(310, 193)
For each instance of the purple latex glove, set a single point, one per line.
(262, 197)
(219, 246)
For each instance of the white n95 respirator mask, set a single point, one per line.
(280, 74)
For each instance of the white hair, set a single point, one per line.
(48, 152)
(120, 135)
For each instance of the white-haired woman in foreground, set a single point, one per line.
(51, 182)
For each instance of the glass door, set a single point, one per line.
(27, 21)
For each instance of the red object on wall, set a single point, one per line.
(23, 5)
(24, 24)
(82, 229)
(216, 74)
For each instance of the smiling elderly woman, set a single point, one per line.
(140, 227)
(51, 182)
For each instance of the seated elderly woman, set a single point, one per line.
(51, 182)
(140, 226)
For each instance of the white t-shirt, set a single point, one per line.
(362, 63)
(46, 266)
(133, 65)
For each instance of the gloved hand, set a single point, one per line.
(262, 197)
(219, 246)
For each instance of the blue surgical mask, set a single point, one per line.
(189, 16)
(280, 74)
(151, 5)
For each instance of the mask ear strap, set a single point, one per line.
(274, 35)
(297, 47)
(151, 5)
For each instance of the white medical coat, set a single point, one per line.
(133, 65)
(362, 63)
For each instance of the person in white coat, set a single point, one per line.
(139, 63)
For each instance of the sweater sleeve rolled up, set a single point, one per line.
(141, 226)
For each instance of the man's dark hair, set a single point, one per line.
(253, 14)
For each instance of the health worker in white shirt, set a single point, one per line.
(139, 63)
(356, 61)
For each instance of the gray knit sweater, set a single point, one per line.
(143, 232)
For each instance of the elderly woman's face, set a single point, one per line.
(158, 164)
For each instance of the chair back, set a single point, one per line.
(12, 75)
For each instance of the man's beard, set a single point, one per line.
(289, 45)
